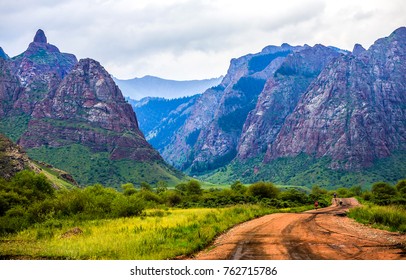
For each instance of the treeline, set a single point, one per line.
(29, 198)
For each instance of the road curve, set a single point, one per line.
(313, 235)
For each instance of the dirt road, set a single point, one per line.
(317, 234)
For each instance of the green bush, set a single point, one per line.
(263, 190)
(383, 193)
(123, 206)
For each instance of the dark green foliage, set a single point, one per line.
(161, 187)
(238, 187)
(145, 186)
(127, 206)
(193, 187)
(383, 193)
(128, 189)
(14, 126)
(304, 170)
(263, 190)
(401, 187)
(29, 198)
(295, 196)
(172, 198)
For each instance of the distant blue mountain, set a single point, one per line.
(150, 86)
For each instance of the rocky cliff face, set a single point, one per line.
(354, 112)
(40, 69)
(238, 118)
(280, 97)
(72, 113)
(319, 103)
(10, 88)
(12, 158)
(88, 108)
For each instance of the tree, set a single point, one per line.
(193, 187)
(401, 187)
(356, 190)
(263, 190)
(145, 186)
(383, 193)
(317, 192)
(128, 189)
(161, 187)
(238, 187)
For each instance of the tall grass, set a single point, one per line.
(158, 235)
(392, 218)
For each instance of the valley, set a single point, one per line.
(89, 173)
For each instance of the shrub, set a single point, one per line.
(128, 189)
(263, 190)
(172, 198)
(383, 193)
(123, 206)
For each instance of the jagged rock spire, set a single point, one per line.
(358, 49)
(40, 37)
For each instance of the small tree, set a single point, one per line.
(238, 187)
(145, 186)
(401, 187)
(263, 190)
(161, 187)
(356, 190)
(383, 193)
(128, 189)
(193, 187)
(317, 192)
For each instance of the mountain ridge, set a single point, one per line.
(151, 86)
(72, 115)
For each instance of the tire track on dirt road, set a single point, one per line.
(313, 235)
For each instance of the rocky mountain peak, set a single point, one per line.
(3, 54)
(358, 49)
(40, 37)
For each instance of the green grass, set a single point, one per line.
(391, 218)
(54, 176)
(159, 235)
(303, 170)
(89, 168)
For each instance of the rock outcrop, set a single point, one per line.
(51, 103)
(354, 112)
(321, 102)
(88, 108)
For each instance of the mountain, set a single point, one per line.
(72, 115)
(3, 54)
(150, 86)
(301, 115)
(218, 117)
(354, 112)
(159, 117)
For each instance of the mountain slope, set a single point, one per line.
(71, 114)
(301, 115)
(354, 112)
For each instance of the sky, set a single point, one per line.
(191, 39)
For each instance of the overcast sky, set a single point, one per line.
(191, 39)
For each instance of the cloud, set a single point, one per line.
(188, 39)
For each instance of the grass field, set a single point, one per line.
(158, 235)
(392, 218)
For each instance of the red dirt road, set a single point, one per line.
(313, 235)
